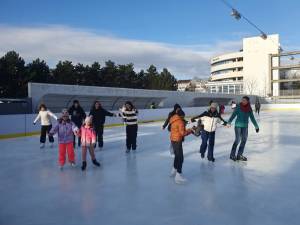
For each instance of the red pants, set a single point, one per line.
(63, 148)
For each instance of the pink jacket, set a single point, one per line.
(88, 136)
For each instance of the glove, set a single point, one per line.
(257, 130)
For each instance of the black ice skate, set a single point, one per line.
(233, 158)
(241, 158)
(96, 163)
(83, 167)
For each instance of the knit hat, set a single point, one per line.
(214, 105)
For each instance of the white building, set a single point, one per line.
(183, 85)
(246, 71)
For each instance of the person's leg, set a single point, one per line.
(204, 137)
(244, 136)
(175, 149)
(134, 136)
(43, 134)
(100, 136)
(237, 131)
(79, 141)
(92, 154)
(83, 156)
(180, 157)
(74, 142)
(128, 143)
(51, 139)
(62, 154)
(71, 153)
(211, 145)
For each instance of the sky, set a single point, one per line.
(179, 35)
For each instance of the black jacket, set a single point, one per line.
(99, 116)
(77, 115)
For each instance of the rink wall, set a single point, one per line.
(22, 124)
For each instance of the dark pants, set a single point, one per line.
(210, 137)
(178, 152)
(241, 135)
(257, 110)
(44, 131)
(99, 134)
(131, 134)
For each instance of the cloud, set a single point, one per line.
(54, 43)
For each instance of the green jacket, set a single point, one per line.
(242, 119)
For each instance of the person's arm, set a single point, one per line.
(253, 121)
(193, 119)
(52, 115)
(183, 132)
(83, 113)
(54, 130)
(37, 118)
(233, 115)
(107, 113)
(166, 122)
(221, 119)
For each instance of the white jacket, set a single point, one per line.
(209, 120)
(45, 117)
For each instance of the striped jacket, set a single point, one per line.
(129, 116)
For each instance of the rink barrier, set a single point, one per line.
(21, 125)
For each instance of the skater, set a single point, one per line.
(178, 131)
(129, 114)
(257, 106)
(65, 129)
(243, 111)
(209, 119)
(172, 113)
(88, 141)
(98, 117)
(233, 105)
(77, 117)
(44, 115)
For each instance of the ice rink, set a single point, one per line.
(135, 188)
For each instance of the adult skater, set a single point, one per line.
(243, 111)
(98, 116)
(172, 113)
(257, 106)
(77, 117)
(209, 119)
(45, 117)
(178, 131)
(129, 114)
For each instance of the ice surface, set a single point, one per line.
(135, 189)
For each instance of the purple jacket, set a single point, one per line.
(65, 132)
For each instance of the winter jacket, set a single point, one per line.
(129, 116)
(99, 116)
(178, 130)
(77, 115)
(65, 131)
(209, 120)
(45, 117)
(242, 119)
(88, 136)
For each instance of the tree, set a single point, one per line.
(64, 73)
(12, 75)
(38, 71)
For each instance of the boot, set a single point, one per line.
(202, 155)
(211, 159)
(173, 172)
(232, 157)
(241, 158)
(96, 163)
(179, 179)
(83, 167)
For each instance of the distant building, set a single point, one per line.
(247, 71)
(195, 85)
(183, 85)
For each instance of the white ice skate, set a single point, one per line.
(42, 145)
(179, 179)
(73, 164)
(173, 172)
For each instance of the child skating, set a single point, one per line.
(65, 129)
(178, 132)
(129, 114)
(88, 141)
(45, 117)
(209, 119)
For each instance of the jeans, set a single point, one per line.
(45, 129)
(241, 135)
(210, 137)
(178, 151)
(131, 134)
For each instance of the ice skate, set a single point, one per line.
(96, 163)
(73, 164)
(211, 159)
(179, 179)
(173, 172)
(83, 167)
(127, 150)
(233, 158)
(42, 145)
(241, 158)
(61, 167)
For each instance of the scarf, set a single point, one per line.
(245, 108)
